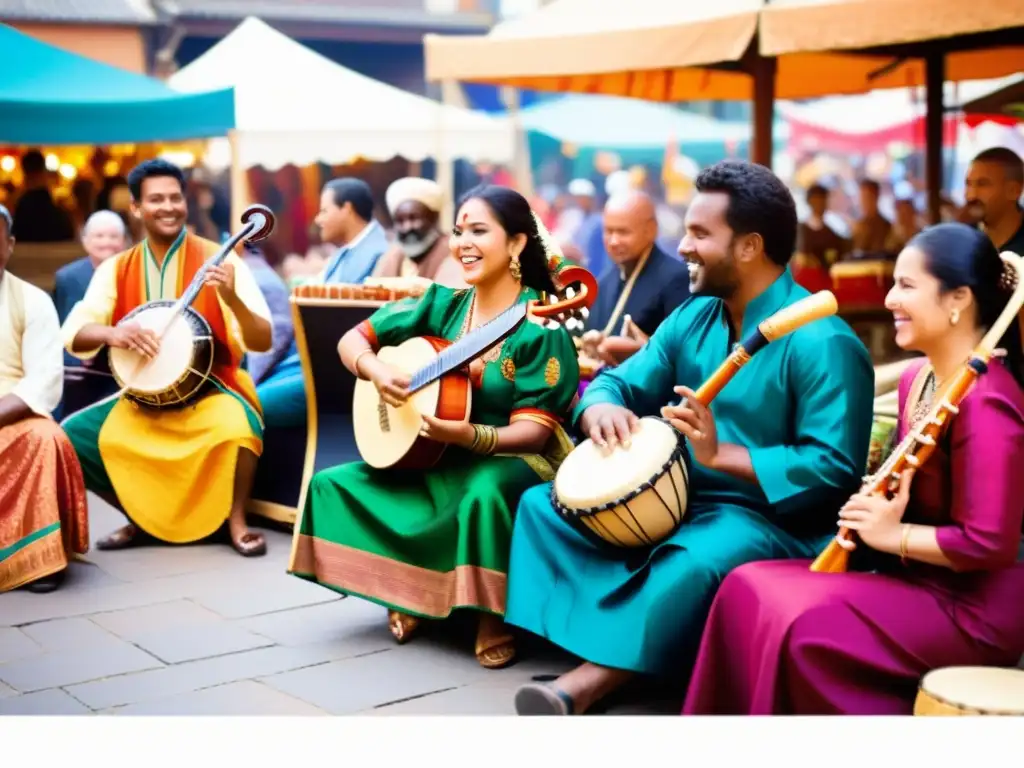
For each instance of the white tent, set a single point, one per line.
(294, 106)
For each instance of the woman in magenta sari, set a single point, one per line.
(783, 640)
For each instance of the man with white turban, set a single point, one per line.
(419, 249)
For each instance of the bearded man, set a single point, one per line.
(420, 249)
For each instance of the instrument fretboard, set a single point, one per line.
(469, 346)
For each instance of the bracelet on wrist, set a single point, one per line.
(905, 543)
(355, 364)
(485, 439)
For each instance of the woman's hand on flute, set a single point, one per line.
(875, 519)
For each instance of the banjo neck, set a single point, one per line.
(470, 346)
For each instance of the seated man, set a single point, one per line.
(177, 474)
(641, 288)
(781, 448)
(346, 217)
(103, 236)
(421, 249)
(42, 497)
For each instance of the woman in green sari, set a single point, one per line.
(426, 543)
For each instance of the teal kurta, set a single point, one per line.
(802, 407)
(426, 543)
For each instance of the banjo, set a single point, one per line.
(181, 369)
(389, 437)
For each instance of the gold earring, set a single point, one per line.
(515, 269)
(954, 317)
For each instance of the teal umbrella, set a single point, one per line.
(51, 96)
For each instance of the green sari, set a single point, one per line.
(427, 543)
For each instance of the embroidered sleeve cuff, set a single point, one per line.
(536, 415)
(366, 328)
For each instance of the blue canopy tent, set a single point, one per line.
(638, 131)
(51, 96)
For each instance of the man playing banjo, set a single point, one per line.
(177, 473)
(785, 447)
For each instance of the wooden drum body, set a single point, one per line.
(861, 285)
(963, 691)
(180, 371)
(390, 437)
(631, 497)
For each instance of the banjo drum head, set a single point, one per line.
(164, 370)
(588, 478)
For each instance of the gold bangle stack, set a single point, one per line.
(485, 439)
(905, 543)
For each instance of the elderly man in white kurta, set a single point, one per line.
(42, 494)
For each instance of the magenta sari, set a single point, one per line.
(783, 640)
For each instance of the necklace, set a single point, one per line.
(491, 355)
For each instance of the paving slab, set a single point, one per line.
(60, 668)
(15, 644)
(358, 623)
(70, 635)
(242, 698)
(350, 686)
(52, 702)
(19, 608)
(196, 675)
(132, 623)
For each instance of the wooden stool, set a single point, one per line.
(971, 691)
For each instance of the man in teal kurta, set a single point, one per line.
(780, 450)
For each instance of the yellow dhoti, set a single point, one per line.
(173, 471)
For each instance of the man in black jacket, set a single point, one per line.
(641, 287)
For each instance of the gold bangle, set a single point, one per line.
(905, 543)
(485, 439)
(355, 363)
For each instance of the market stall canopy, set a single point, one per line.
(54, 97)
(801, 27)
(640, 48)
(294, 106)
(871, 122)
(659, 51)
(1005, 105)
(612, 122)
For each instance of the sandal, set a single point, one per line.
(543, 699)
(249, 544)
(123, 538)
(402, 626)
(497, 652)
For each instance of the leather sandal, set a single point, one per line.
(496, 652)
(403, 626)
(249, 544)
(123, 538)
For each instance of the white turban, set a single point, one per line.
(422, 191)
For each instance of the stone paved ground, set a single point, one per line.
(200, 630)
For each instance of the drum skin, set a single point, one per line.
(962, 691)
(168, 383)
(633, 497)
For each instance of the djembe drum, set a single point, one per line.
(963, 691)
(628, 498)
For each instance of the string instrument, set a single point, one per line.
(181, 369)
(389, 437)
(355, 292)
(638, 496)
(921, 440)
